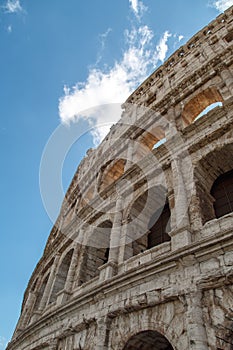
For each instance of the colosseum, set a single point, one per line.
(141, 255)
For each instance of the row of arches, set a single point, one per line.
(156, 135)
(154, 231)
(150, 216)
(151, 229)
(150, 138)
(59, 278)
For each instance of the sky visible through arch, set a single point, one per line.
(58, 58)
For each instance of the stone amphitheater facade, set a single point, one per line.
(141, 255)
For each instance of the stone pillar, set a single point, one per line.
(180, 234)
(64, 294)
(171, 201)
(195, 211)
(81, 235)
(82, 241)
(102, 331)
(116, 232)
(110, 268)
(178, 116)
(227, 78)
(125, 248)
(130, 152)
(49, 285)
(181, 200)
(71, 272)
(171, 128)
(195, 324)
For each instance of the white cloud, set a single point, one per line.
(138, 7)
(134, 5)
(222, 5)
(180, 37)
(114, 84)
(102, 38)
(13, 6)
(9, 29)
(162, 47)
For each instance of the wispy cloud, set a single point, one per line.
(177, 40)
(162, 47)
(114, 84)
(102, 39)
(13, 6)
(134, 5)
(9, 29)
(138, 7)
(222, 5)
(104, 36)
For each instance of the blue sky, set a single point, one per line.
(58, 58)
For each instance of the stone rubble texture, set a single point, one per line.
(179, 294)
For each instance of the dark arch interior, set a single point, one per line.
(96, 252)
(41, 292)
(151, 214)
(148, 340)
(60, 280)
(159, 225)
(222, 191)
(208, 173)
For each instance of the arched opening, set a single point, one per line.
(149, 139)
(208, 109)
(148, 340)
(60, 280)
(40, 293)
(199, 103)
(214, 198)
(96, 252)
(111, 173)
(159, 143)
(150, 217)
(159, 227)
(153, 137)
(222, 192)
